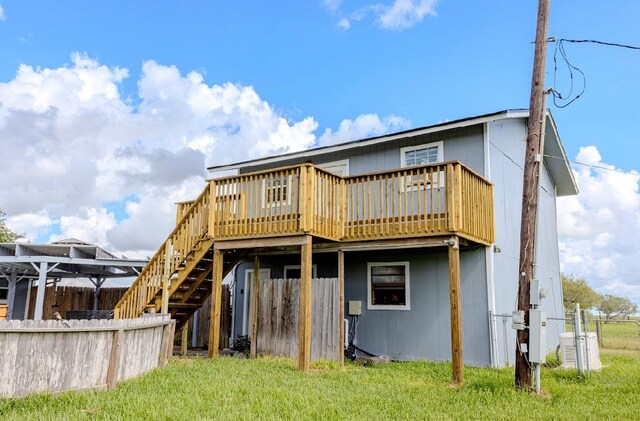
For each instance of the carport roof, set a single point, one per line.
(68, 258)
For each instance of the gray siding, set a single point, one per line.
(420, 333)
(507, 145)
(464, 145)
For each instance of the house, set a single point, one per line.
(421, 228)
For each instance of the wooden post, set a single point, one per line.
(184, 339)
(304, 327)
(255, 302)
(452, 206)
(166, 278)
(114, 358)
(341, 306)
(599, 332)
(166, 345)
(216, 303)
(531, 181)
(456, 312)
(212, 209)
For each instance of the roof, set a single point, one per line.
(68, 258)
(556, 159)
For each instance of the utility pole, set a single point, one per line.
(533, 160)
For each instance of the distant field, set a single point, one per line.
(264, 388)
(618, 335)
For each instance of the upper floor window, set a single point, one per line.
(421, 154)
(276, 191)
(340, 168)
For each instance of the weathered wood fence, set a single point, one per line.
(51, 356)
(204, 317)
(278, 318)
(65, 298)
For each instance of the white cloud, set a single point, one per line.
(332, 5)
(2, 15)
(599, 228)
(397, 16)
(404, 14)
(76, 146)
(344, 23)
(363, 126)
(89, 224)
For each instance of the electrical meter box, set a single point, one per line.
(355, 308)
(534, 292)
(537, 336)
(517, 320)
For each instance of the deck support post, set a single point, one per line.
(216, 304)
(341, 306)
(456, 311)
(255, 290)
(304, 328)
(166, 279)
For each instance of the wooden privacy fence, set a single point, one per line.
(278, 318)
(204, 317)
(49, 356)
(65, 298)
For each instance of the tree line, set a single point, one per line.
(576, 290)
(6, 234)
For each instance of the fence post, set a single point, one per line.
(585, 319)
(506, 345)
(577, 335)
(599, 332)
(114, 358)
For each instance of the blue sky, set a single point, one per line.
(329, 69)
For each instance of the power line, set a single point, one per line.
(593, 41)
(600, 167)
(571, 68)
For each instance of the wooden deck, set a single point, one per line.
(432, 200)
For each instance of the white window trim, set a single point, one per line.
(403, 151)
(410, 185)
(314, 270)
(407, 306)
(247, 292)
(327, 166)
(286, 202)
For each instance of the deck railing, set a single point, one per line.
(437, 199)
(190, 230)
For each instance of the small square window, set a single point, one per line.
(276, 191)
(388, 286)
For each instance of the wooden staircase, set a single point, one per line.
(179, 275)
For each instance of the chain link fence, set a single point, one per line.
(607, 350)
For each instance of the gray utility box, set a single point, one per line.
(537, 336)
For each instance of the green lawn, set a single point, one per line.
(619, 335)
(228, 388)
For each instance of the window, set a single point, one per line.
(293, 271)
(388, 286)
(429, 153)
(340, 168)
(421, 154)
(276, 191)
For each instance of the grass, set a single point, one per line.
(616, 335)
(267, 388)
